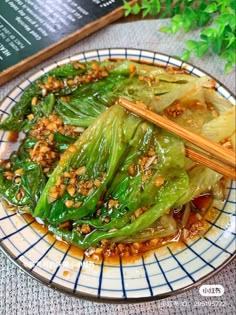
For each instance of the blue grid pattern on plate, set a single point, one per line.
(171, 282)
(61, 262)
(122, 279)
(78, 274)
(219, 236)
(155, 58)
(32, 230)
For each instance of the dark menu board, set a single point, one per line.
(40, 28)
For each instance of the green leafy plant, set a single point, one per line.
(215, 18)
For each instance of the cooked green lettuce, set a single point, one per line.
(120, 175)
(120, 142)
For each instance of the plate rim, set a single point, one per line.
(91, 297)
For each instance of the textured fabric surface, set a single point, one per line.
(20, 294)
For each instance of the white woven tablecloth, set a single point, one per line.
(19, 294)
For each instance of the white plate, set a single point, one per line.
(163, 272)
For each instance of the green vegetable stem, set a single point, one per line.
(98, 151)
(92, 171)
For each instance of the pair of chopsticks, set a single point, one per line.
(216, 157)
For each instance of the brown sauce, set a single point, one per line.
(201, 204)
(13, 136)
(175, 242)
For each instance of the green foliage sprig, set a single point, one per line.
(215, 18)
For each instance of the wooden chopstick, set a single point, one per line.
(221, 160)
(218, 166)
